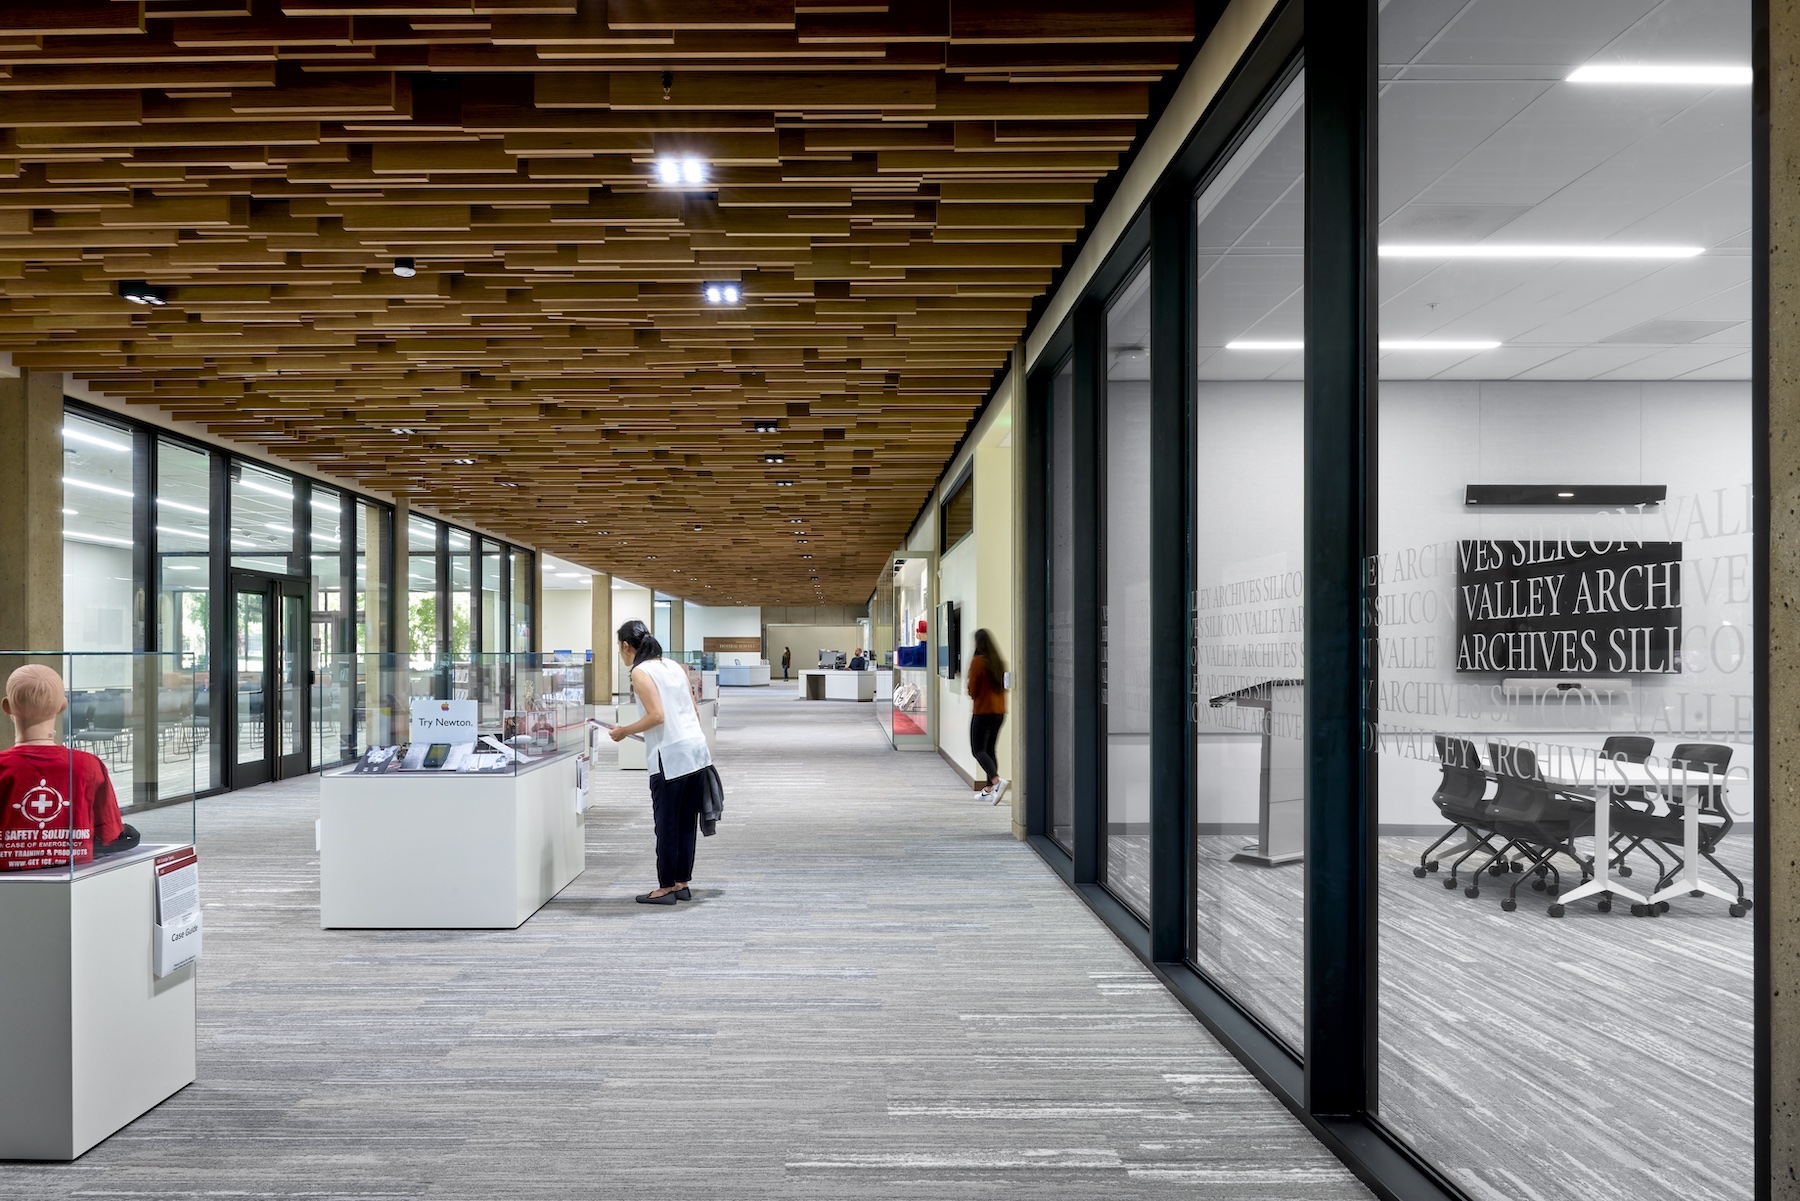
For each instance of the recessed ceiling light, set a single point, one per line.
(802, 542)
(649, 556)
(696, 529)
(1672, 73)
(401, 429)
(774, 458)
(508, 484)
(677, 171)
(139, 292)
(806, 556)
(405, 268)
(463, 462)
(767, 427)
(797, 520)
(722, 293)
(1538, 250)
(784, 483)
(581, 521)
(1565, 494)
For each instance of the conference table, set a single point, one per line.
(1569, 768)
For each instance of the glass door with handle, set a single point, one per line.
(268, 697)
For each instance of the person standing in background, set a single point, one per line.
(787, 656)
(987, 689)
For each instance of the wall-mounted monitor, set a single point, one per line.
(949, 632)
(1568, 609)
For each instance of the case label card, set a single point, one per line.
(437, 720)
(177, 930)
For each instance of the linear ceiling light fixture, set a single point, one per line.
(723, 293)
(75, 435)
(1537, 250)
(1420, 344)
(1686, 74)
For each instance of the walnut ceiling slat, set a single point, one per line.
(891, 184)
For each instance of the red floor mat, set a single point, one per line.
(904, 724)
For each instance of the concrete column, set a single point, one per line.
(31, 542)
(402, 600)
(31, 522)
(1777, 883)
(604, 641)
(677, 626)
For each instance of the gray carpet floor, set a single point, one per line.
(878, 993)
(1597, 1055)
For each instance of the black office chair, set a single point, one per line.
(1541, 821)
(1665, 829)
(1629, 748)
(1461, 797)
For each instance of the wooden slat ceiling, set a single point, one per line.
(891, 185)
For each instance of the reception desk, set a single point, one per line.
(822, 685)
(743, 675)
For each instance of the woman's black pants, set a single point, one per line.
(984, 736)
(675, 805)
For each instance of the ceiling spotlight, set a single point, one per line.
(798, 520)
(503, 483)
(724, 293)
(405, 268)
(767, 427)
(677, 171)
(774, 458)
(603, 532)
(784, 483)
(696, 529)
(581, 521)
(464, 462)
(139, 292)
(401, 429)
(806, 556)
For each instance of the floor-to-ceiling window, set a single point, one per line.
(422, 624)
(262, 519)
(1125, 599)
(333, 632)
(461, 590)
(493, 611)
(184, 602)
(1249, 551)
(1565, 615)
(524, 580)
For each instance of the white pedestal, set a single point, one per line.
(820, 685)
(747, 675)
(709, 685)
(709, 722)
(426, 850)
(94, 1040)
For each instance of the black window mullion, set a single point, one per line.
(1036, 643)
(1171, 281)
(1088, 391)
(1340, 306)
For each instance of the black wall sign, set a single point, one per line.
(1579, 609)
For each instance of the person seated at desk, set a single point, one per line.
(57, 804)
(857, 662)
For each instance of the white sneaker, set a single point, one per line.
(999, 790)
(985, 794)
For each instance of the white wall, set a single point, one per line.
(977, 574)
(568, 619)
(629, 603)
(720, 621)
(1437, 437)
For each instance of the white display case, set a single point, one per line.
(446, 850)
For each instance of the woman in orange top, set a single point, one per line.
(987, 688)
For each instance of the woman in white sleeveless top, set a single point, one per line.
(676, 751)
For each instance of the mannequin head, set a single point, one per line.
(34, 699)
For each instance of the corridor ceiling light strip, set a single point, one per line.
(165, 529)
(1445, 344)
(1534, 250)
(1691, 75)
(72, 482)
(163, 502)
(265, 489)
(76, 435)
(85, 536)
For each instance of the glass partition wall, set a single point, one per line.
(1443, 813)
(269, 587)
(1564, 610)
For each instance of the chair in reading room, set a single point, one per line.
(1629, 748)
(1542, 821)
(1667, 831)
(1461, 798)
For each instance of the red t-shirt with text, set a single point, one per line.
(55, 804)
